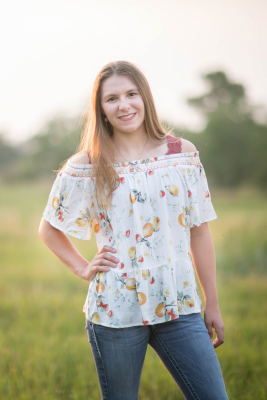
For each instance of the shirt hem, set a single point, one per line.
(203, 221)
(63, 230)
(130, 326)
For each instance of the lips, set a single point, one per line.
(127, 117)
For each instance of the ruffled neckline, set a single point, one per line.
(153, 159)
(191, 155)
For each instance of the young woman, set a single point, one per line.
(145, 194)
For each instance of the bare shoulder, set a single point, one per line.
(187, 146)
(80, 158)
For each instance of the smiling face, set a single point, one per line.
(122, 104)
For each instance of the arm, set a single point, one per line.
(203, 256)
(59, 243)
(62, 247)
(52, 233)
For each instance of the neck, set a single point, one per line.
(130, 143)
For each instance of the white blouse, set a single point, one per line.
(157, 202)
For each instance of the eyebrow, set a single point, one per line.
(112, 94)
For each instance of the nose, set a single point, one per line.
(124, 106)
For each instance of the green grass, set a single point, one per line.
(45, 354)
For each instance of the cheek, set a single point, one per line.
(139, 105)
(110, 110)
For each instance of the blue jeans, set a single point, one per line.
(183, 345)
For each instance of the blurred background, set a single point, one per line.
(206, 63)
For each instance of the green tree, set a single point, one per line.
(232, 143)
(47, 150)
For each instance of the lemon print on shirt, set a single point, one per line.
(172, 189)
(55, 203)
(141, 298)
(160, 310)
(95, 318)
(181, 218)
(130, 284)
(149, 228)
(81, 222)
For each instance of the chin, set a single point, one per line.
(129, 128)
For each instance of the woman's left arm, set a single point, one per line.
(203, 257)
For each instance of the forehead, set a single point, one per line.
(116, 84)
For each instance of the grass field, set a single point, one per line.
(45, 352)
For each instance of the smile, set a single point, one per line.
(128, 117)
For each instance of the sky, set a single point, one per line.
(52, 51)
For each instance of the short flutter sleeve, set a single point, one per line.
(69, 203)
(200, 206)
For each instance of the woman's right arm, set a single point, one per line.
(62, 247)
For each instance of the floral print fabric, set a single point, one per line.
(157, 202)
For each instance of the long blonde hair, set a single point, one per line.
(96, 137)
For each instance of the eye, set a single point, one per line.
(111, 98)
(132, 93)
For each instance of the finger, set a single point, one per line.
(209, 327)
(99, 267)
(102, 250)
(106, 248)
(220, 336)
(112, 258)
(105, 262)
(103, 268)
(217, 342)
(107, 257)
(109, 261)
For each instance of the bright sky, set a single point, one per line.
(52, 51)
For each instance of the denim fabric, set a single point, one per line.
(183, 345)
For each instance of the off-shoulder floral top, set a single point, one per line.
(156, 203)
